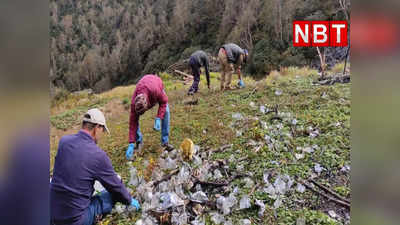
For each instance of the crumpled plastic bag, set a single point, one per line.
(245, 202)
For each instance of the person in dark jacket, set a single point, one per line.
(231, 56)
(79, 163)
(149, 91)
(197, 60)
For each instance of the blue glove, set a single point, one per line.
(157, 124)
(135, 204)
(241, 83)
(129, 151)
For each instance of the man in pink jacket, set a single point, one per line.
(149, 91)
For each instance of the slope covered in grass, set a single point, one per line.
(309, 118)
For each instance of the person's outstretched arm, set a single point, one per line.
(106, 175)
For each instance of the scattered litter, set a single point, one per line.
(179, 219)
(314, 133)
(262, 109)
(225, 204)
(280, 185)
(217, 218)
(318, 168)
(228, 222)
(278, 92)
(299, 156)
(119, 208)
(332, 214)
(197, 221)
(270, 190)
(98, 187)
(217, 174)
(264, 125)
(345, 168)
(134, 180)
(294, 122)
(252, 104)
(170, 199)
(237, 116)
(245, 202)
(300, 188)
(308, 150)
(278, 202)
(265, 177)
(245, 222)
(262, 207)
(199, 196)
(249, 182)
(301, 221)
(267, 139)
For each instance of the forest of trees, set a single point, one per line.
(99, 44)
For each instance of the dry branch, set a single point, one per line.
(340, 202)
(166, 177)
(329, 191)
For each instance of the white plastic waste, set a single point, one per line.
(308, 150)
(299, 156)
(244, 202)
(237, 116)
(262, 207)
(300, 188)
(199, 196)
(266, 177)
(179, 219)
(249, 182)
(318, 168)
(278, 202)
(332, 214)
(170, 199)
(278, 92)
(217, 218)
(270, 190)
(225, 204)
(245, 222)
(262, 109)
(280, 185)
(98, 187)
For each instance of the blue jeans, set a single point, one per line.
(100, 205)
(164, 129)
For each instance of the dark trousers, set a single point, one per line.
(196, 75)
(100, 205)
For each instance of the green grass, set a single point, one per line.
(209, 124)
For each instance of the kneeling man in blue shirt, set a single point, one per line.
(79, 162)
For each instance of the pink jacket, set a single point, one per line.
(152, 87)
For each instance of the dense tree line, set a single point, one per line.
(102, 43)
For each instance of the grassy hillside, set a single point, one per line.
(320, 111)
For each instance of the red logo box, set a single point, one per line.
(301, 34)
(339, 34)
(320, 33)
